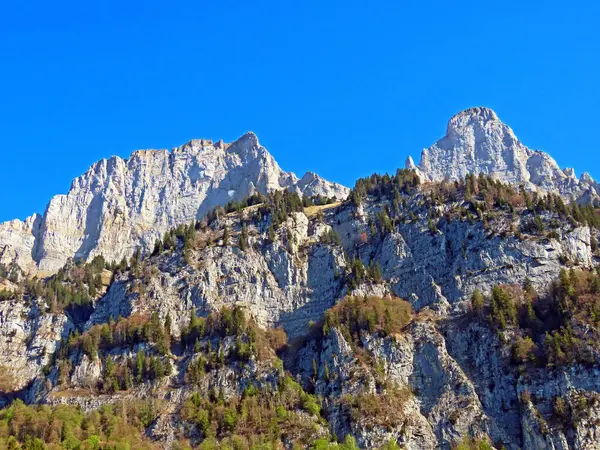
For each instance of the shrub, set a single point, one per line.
(469, 443)
(477, 303)
(524, 350)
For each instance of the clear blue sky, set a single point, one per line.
(340, 88)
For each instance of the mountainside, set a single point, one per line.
(119, 205)
(417, 313)
(477, 141)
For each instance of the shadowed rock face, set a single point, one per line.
(121, 204)
(477, 141)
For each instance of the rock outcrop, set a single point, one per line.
(119, 204)
(29, 335)
(477, 141)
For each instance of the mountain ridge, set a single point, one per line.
(119, 203)
(477, 141)
(435, 315)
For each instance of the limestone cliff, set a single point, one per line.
(477, 141)
(119, 204)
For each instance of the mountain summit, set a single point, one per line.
(121, 204)
(477, 141)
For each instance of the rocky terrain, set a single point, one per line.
(425, 310)
(477, 142)
(119, 205)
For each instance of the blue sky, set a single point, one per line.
(340, 88)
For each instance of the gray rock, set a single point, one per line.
(476, 141)
(121, 204)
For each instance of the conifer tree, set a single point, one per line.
(225, 235)
(244, 238)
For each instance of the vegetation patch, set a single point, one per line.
(354, 315)
(258, 417)
(113, 426)
(561, 328)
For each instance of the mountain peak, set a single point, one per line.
(477, 112)
(250, 136)
(120, 205)
(477, 141)
(478, 118)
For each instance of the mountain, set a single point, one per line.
(477, 141)
(418, 313)
(194, 336)
(119, 204)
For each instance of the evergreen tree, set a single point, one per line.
(168, 324)
(140, 362)
(127, 379)
(477, 303)
(244, 238)
(225, 235)
(271, 233)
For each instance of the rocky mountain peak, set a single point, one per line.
(249, 138)
(477, 141)
(470, 117)
(121, 204)
(410, 164)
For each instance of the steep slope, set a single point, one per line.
(119, 205)
(428, 372)
(477, 141)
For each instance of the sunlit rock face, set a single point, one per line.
(477, 141)
(121, 204)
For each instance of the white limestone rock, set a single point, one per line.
(28, 337)
(121, 204)
(17, 241)
(477, 141)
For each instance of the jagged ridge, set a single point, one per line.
(477, 141)
(121, 204)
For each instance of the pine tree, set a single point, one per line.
(477, 303)
(225, 235)
(158, 248)
(168, 324)
(387, 318)
(168, 241)
(127, 380)
(106, 335)
(375, 272)
(271, 233)
(157, 368)
(168, 366)
(109, 368)
(193, 319)
(244, 238)
(140, 362)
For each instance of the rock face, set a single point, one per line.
(453, 374)
(477, 142)
(17, 241)
(279, 283)
(121, 204)
(28, 337)
(295, 279)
